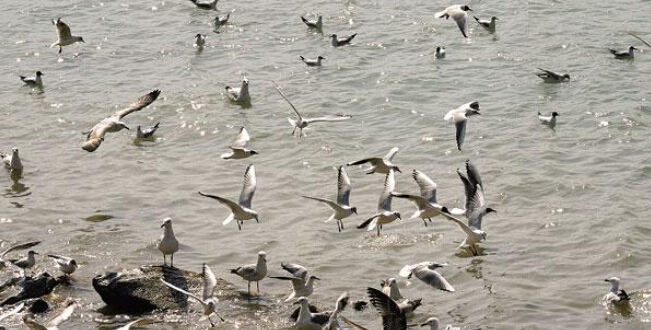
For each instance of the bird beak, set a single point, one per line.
(606, 280)
(163, 225)
(296, 302)
(317, 278)
(36, 253)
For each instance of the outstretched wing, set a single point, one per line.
(332, 205)
(473, 175)
(392, 317)
(343, 187)
(426, 185)
(241, 139)
(389, 186)
(328, 118)
(172, 286)
(63, 30)
(227, 202)
(250, 183)
(21, 246)
(295, 269)
(142, 102)
(288, 101)
(432, 278)
(389, 156)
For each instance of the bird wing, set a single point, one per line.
(63, 30)
(209, 282)
(63, 316)
(227, 202)
(247, 271)
(462, 23)
(460, 121)
(476, 202)
(473, 175)
(419, 201)
(142, 102)
(342, 301)
(432, 278)
(332, 205)
(286, 99)
(172, 286)
(295, 269)
(12, 312)
(389, 186)
(327, 118)
(461, 224)
(639, 38)
(297, 282)
(241, 139)
(21, 246)
(96, 135)
(427, 186)
(392, 317)
(389, 156)
(374, 161)
(550, 73)
(250, 183)
(343, 187)
(63, 260)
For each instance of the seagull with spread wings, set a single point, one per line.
(342, 206)
(65, 38)
(239, 148)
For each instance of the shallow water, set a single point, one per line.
(572, 203)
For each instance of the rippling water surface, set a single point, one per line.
(572, 203)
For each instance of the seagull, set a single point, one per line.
(333, 320)
(475, 204)
(241, 210)
(65, 38)
(316, 24)
(552, 77)
(384, 214)
(390, 288)
(342, 206)
(26, 262)
(460, 117)
(548, 120)
(241, 94)
(393, 316)
(239, 148)
(29, 321)
(35, 81)
(207, 300)
(113, 122)
(473, 235)
(167, 243)
(222, 21)
(212, 5)
(136, 323)
(624, 55)
(425, 271)
(459, 14)
(65, 264)
(336, 42)
(433, 323)
(147, 132)
(615, 295)
(254, 272)
(426, 202)
(12, 312)
(440, 52)
(302, 285)
(12, 161)
(488, 25)
(303, 122)
(379, 165)
(306, 317)
(312, 62)
(16, 247)
(199, 40)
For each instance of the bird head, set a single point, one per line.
(39, 73)
(121, 125)
(253, 152)
(312, 277)
(321, 58)
(397, 214)
(31, 252)
(489, 210)
(397, 169)
(632, 48)
(445, 210)
(433, 322)
(262, 255)
(81, 39)
(494, 19)
(566, 76)
(198, 36)
(466, 8)
(483, 235)
(353, 209)
(73, 263)
(245, 82)
(333, 36)
(301, 300)
(612, 280)
(167, 222)
(14, 151)
(555, 114)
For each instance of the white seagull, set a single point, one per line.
(312, 62)
(207, 300)
(65, 264)
(427, 207)
(474, 189)
(473, 235)
(210, 5)
(222, 21)
(440, 52)
(302, 285)
(552, 77)
(26, 262)
(199, 40)
(425, 271)
(337, 42)
(241, 210)
(384, 214)
(379, 165)
(624, 55)
(303, 122)
(488, 25)
(35, 81)
(167, 243)
(459, 14)
(548, 120)
(65, 38)
(315, 24)
(239, 148)
(113, 123)
(390, 288)
(54, 323)
(460, 117)
(342, 206)
(615, 295)
(239, 94)
(146, 133)
(16, 247)
(12, 161)
(254, 272)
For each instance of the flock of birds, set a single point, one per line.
(391, 305)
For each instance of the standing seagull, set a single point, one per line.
(54, 323)
(384, 214)
(425, 271)
(26, 262)
(302, 122)
(488, 25)
(113, 122)
(241, 210)
(342, 206)
(460, 117)
(315, 24)
(239, 148)
(35, 81)
(336, 42)
(239, 94)
(379, 165)
(302, 285)
(211, 5)
(552, 77)
(426, 202)
(459, 14)
(147, 132)
(624, 55)
(65, 264)
(254, 272)
(12, 161)
(167, 243)
(440, 52)
(548, 120)
(615, 295)
(207, 300)
(65, 38)
(312, 62)
(16, 247)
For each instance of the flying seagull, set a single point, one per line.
(379, 165)
(113, 123)
(239, 148)
(459, 15)
(460, 118)
(426, 204)
(384, 214)
(342, 206)
(425, 271)
(65, 38)
(302, 285)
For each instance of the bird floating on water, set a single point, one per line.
(146, 133)
(338, 42)
(222, 21)
(440, 52)
(12, 161)
(209, 5)
(312, 62)
(199, 40)
(488, 25)
(35, 81)
(624, 55)
(239, 94)
(548, 120)
(615, 295)
(314, 24)
(552, 77)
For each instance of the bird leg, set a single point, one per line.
(164, 260)
(257, 283)
(342, 224)
(338, 226)
(239, 225)
(378, 230)
(60, 49)
(249, 288)
(172, 261)
(424, 222)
